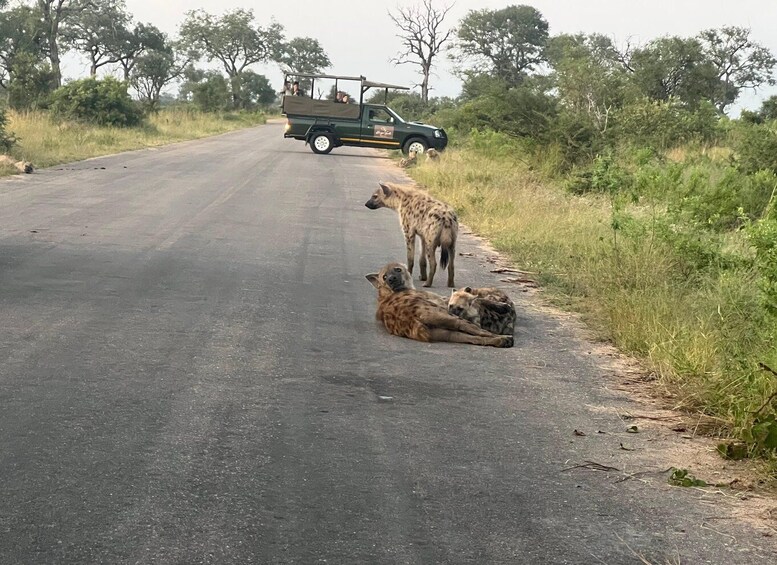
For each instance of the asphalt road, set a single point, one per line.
(191, 373)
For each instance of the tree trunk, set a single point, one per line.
(425, 84)
(54, 59)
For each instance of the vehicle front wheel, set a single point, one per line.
(415, 144)
(321, 143)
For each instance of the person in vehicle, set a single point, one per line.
(286, 88)
(295, 90)
(346, 99)
(339, 97)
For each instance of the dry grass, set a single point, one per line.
(46, 142)
(697, 332)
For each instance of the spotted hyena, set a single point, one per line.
(412, 159)
(421, 215)
(432, 155)
(489, 308)
(410, 313)
(21, 166)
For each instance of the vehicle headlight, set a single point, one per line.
(288, 125)
(437, 133)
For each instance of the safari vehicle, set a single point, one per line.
(326, 124)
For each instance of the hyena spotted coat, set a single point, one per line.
(410, 313)
(21, 166)
(421, 215)
(489, 308)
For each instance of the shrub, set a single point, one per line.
(102, 102)
(763, 237)
(755, 147)
(665, 124)
(7, 139)
(212, 94)
(604, 176)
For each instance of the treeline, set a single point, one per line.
(35, 34)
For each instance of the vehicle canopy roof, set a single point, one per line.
(365, 84)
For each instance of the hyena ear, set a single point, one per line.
(373, 278)
(386, 189)
(468, 289)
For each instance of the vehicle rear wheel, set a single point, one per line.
(321, 143)
(415, 144)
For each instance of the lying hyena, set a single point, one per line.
(21, 166)
(421, 215)
(489, 308)
(410, 313)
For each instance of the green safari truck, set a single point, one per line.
(326, 124)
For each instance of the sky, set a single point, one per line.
(361, 39)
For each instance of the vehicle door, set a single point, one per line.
(378, 128)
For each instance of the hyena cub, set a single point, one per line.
(410, 313)
(421, 215)
(489, 308)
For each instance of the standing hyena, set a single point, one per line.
(410, 313)
(421, 215)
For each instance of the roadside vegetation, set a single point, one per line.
(616, 179)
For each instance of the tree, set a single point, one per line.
(153, 70)
(588, 76)
(423, 38)
(142, 38)
(674, 67)
(739, 63)
(507, 43)
(303, 55)
(21, 34)
(257, 90)
(53, 14)
(32, 84)
(234, 40)
(100, 32)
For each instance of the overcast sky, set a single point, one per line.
(360, 38)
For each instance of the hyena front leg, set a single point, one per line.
(410, 244)
(430, 249)
(440, 334)
(422, 260)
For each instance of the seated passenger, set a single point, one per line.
(339, 97)
(295, 91)
(346, 99)
(286, 88)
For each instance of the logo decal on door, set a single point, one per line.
(384, 131)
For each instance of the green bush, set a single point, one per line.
(755, 147)
(102, 102)
(665, 124)
(7, 139)
(763, 237)
(212, 94)
(604, 176)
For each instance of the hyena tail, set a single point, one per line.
(447, 246)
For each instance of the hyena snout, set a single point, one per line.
(372, 204)
(456, 310)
